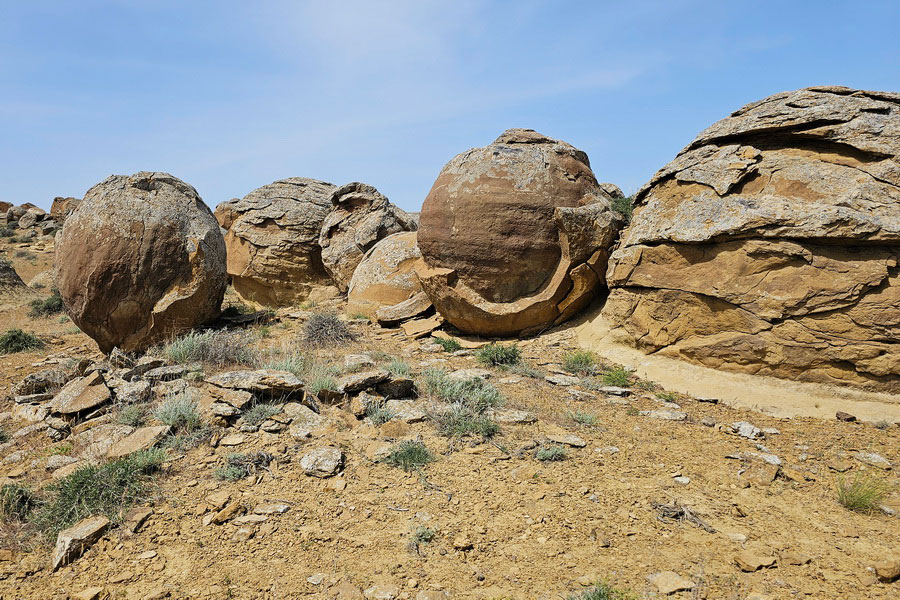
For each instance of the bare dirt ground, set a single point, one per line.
(506, 525)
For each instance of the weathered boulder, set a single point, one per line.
(385, 276)
(361, 216)
(9, 279)
(14, 213)
(612, 189)
(63, 207)
(156, 264)
(274, 256)
(31, 217)
(770, 244)
(515, 236)
(5, 206)
(225, 213)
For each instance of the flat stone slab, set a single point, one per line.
(72, 542)
(262, 380)
(390, 316)
(81, 394)
(142, 439)
(357, 382)
(419, 328)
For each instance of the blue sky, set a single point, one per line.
(230, 96)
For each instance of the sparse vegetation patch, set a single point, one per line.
(409, 456)
(215, 347)
(862, 493)
(580, 362)
(498, 354)
(16, 340)
(326, 329)
(46, 307)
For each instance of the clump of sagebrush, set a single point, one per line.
(181, 413)
(550, 453)
(133, 415)
(497, 354)
(16, 340)
(108, 490)
(16, 502)
(215, 347)
(618, 377)
(584, 418)
(448, 344)
(293, 363)
(53, 305)
(378, 413)
(667, 396)
(326, 329)
(259, 412)
(237, 466)
(458, 420)
(420, 536)
(320, 377)
(601, 591)
(475, 392)
(409, 455)
(624, 206)
(646, 385)
(7, 232)
(398, 368)
(580, 362)
(863, 493)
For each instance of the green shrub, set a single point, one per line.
(448, 344)
(292, 363)
(109, 490)
(378, 413)
(459, 420)
(625, 207)
(409, 455)
(133, 415)
(46, 307)
(16, 502)
(863, 493)
(179, 412)
(550, 453)
(667, 396)
(4, 436)
(16, 340)
(475, 393)
(601, 591)
(498, 354)
(259, 412)
(320, 377)
(618, 377)
(215, 347)
(237, 466)
(584, 418)
(398, 368)
(7, 232)
(422, 535)
(326, 329)
(580, 362)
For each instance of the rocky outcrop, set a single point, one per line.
(274, 258)
(63, 207)
(361, 216)
(156, 264)
(225, 213)
(32, 217)
(385, 276)
(9, 279)
(770, 244)
(515, 236)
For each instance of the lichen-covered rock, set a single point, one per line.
(515, 236)
(360, 218)
(140, 259)
(274, 258)
(385, 276)
(770, 244)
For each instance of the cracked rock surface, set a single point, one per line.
(515, 235)
(140, 259)
(770, 244)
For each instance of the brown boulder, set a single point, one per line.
(515, 236)
(156, 265)
(5, 206)
(385, 276)
(274, 256)
(360, 218)
(225, 213)
(63, 207)
(9, 279)
(771, 243)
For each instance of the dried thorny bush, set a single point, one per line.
(326, 329)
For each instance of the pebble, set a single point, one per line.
(681, 480)
(669, 582)
(233, 439)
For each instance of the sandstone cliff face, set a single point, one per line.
(771, 243)
(141, 259)
(514, 236)
(274, 257)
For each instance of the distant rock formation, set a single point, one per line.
(63, 207)
(770, 244)
(515, 236)
(274, 258)
(140, 260)
(360, 217)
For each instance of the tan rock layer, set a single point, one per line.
(771, 243)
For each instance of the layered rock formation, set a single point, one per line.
(515, 236)
(771, 243)
(155, 265)
(385, 276)
(361, 216)
(274, 256)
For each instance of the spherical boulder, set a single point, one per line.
(385, 276)
(515, 236)
(770, 245)
(361, 216)
(274, 258)
(140, 260)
